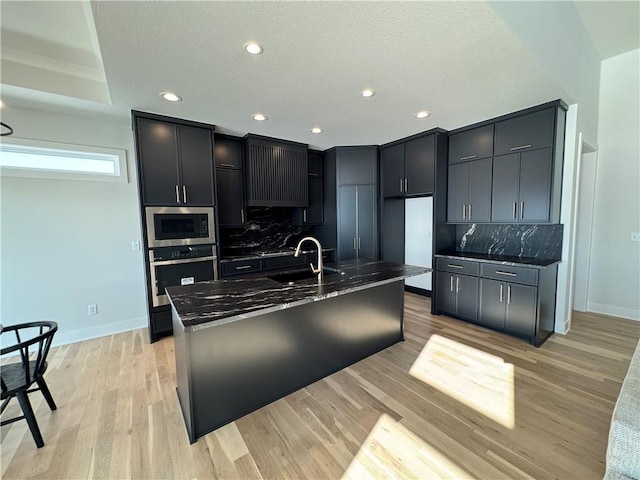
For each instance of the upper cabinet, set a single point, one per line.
(526, 150)
(408, 168)
(471, 145)
(276, 172)
(229, 181)
(313, 213)
(527, 132)
(175, 159)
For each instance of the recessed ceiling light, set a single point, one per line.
(259, 117)
(253, 48)
(316, 130)
(367, 93)
(171, 97)
(422, 114)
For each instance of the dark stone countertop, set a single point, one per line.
(207, 304)
(256, 256)
(501, 259)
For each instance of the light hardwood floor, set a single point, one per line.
(452, 401)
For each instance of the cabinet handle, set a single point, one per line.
(401, 184)
(451, 283)
(243, 267)
(454, 266)
(464, 211)
(242, 215)
(184, 193)
(500, 272)
(406, 185)
(521, 210)
(177, 194)
(515, 205)
(468, 157)
(520, 147)
(501, 295)
(354, 243)
(304, 215)
(470, 215)
(508, 294)
(226, 165)
(457, 284)
(358, 243)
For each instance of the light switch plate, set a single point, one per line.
(93, 309)
(635, 236)
(135, 245)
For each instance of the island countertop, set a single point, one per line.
(206, 304)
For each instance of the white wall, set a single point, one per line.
(614, 282)
(65, 244)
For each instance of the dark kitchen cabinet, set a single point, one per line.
(525, 132)
(392, 230)
(312, 214)
(408, 168)
(229, 181)
(276, 172)
(176, 161)
(457, 295)
(231, 211)
(471, 144)
(357, 238)
(469, 192)
(522, 187)
(508, 306)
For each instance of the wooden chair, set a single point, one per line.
(18, 377)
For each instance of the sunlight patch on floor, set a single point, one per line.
(393, 452)
(475, 378)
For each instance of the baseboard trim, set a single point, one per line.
(73, 336)
(613, 311)
(417, 291)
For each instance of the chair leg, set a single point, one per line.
(46, 393)
(23, 399)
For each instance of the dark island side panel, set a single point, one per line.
(238, 367)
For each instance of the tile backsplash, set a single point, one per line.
(266, 229)
(534, 241)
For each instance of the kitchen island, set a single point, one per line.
(245, 342)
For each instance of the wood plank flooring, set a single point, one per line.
(453, 401)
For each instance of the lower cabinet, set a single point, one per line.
(516, 300)
(457, 295)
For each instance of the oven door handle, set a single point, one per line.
(181, 260)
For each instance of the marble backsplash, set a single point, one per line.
(266, 229)
(534, 241)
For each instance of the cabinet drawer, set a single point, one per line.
(236, 268)
(471, 145)
(526, 132)
(282, 262)
(527, 276)
(465, 267)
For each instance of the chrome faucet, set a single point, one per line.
(317, 270)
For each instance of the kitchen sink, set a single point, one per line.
(293, 276)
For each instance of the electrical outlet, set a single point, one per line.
(635, 236)
(135, 245)
(93, 309)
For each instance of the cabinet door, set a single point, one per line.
(158, 157)
(392, 171)
(347, 222)
(357, 165)
(196, 165)
(467, 297)
(366, 200)
(479, 206)
(315, 163)
(533, 130)
(492, 302)
(230, 197)
(506, 179)
(228, 153)
(458, 193)
(314, 215)
(521, 311)
(535, 185)
(392, 230)
(446, 294)
(471, 145)
(419, 159)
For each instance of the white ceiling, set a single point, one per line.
(456, 59)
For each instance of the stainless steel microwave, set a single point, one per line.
(174, 226)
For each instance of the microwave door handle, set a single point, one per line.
(184, 193)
